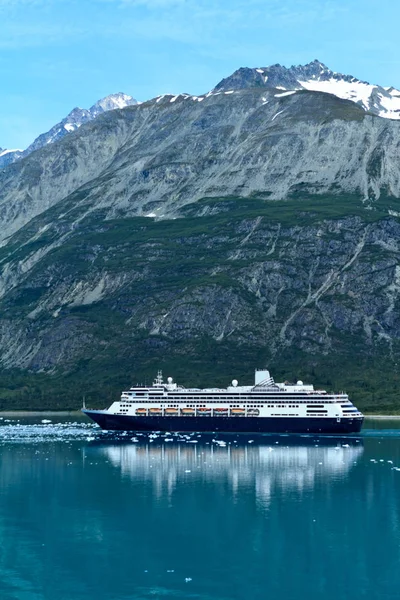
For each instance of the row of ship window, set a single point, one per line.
(254, 402)
(241, 397)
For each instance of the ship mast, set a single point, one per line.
(159, 379)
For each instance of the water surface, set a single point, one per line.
(86, 514)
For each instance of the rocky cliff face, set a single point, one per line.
(155, 158)
(207, 235)
(307, 286)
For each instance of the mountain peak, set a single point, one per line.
(315, 76)
(77, 117)
(112, 102)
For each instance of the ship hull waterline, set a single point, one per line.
(204, 424)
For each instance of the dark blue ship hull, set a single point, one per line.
(226, 424)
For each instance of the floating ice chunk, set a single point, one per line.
(345, 446)
(168, 439)
(187, 579)
(188, 471)
(251, 441)
(390, 462)
(46, 420)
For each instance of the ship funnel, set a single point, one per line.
(262, 376)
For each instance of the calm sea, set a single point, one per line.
(89, 515)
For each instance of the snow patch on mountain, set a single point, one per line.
(284, 94)
(4, 152)
(356, 91)
(387, 104)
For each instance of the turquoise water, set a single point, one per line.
(89, 515)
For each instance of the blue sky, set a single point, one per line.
(57, 54)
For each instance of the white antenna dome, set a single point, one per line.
(235, 382)
(169, 379)
(299, 382)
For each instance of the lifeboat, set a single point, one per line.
(155, 411)
(171, 411)
(141, 412)
(204, 411)
(238, 412)
(220, 412)
(187, 412)
(253, 412)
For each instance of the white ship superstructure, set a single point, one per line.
(264, 406)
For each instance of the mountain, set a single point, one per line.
(206, 236)
(317, 77)
(155, 158)
(72, 121)
(9, 156)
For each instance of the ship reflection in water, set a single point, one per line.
(264, 467)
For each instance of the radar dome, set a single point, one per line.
(169, 379)
(299, 382)
(234, 382)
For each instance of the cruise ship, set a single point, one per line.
(265, 407)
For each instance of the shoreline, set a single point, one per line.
(382, 416)
(38, 413)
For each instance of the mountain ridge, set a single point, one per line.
(316, 76)
(154, 158)
(75, 118)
